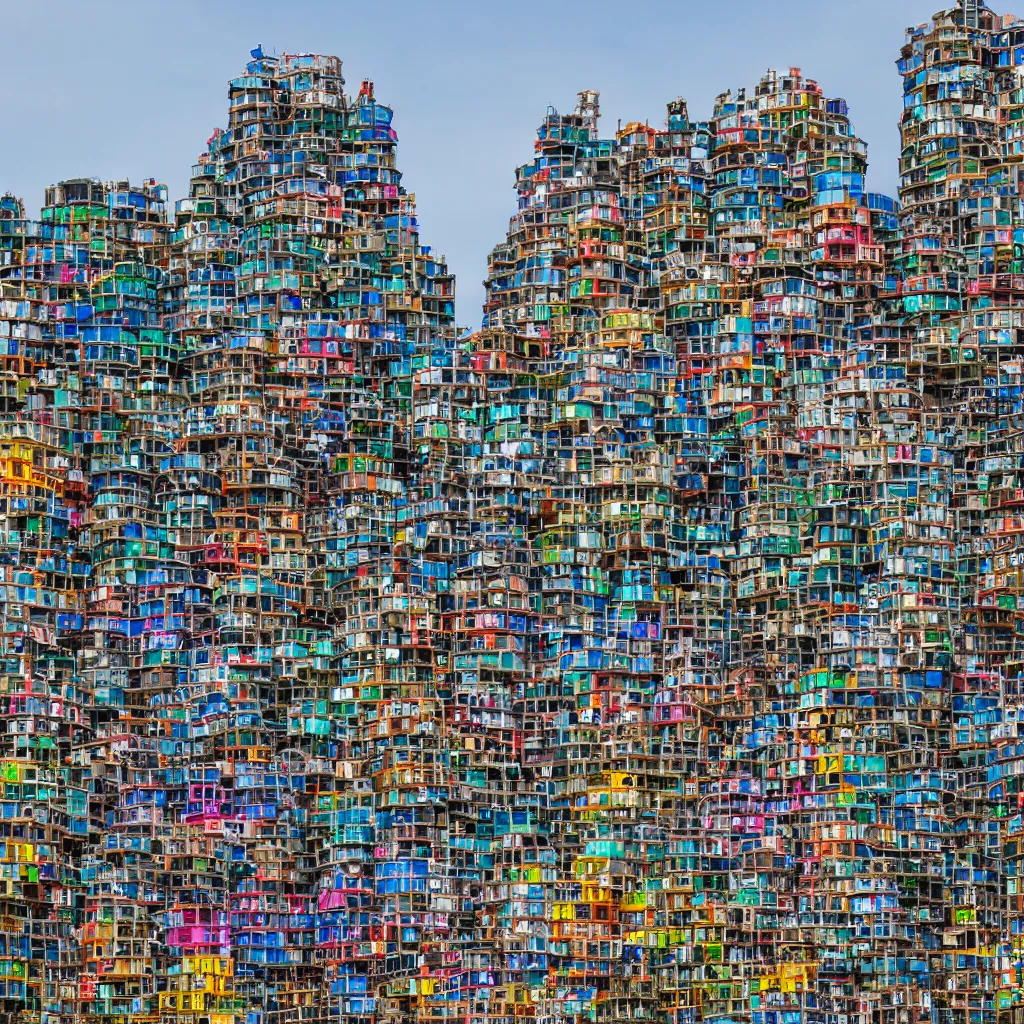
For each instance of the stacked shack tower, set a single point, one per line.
(653, 653)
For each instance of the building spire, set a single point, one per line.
(971, 9)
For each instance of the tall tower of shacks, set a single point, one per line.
(654, 653)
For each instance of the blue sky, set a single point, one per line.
(117, 89)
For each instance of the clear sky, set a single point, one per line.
(111, 88)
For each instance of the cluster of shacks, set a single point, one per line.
(654, 653)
